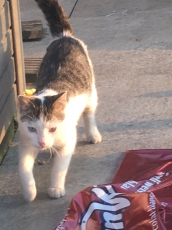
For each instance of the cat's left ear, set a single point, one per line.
(60, 102)
(23, 102)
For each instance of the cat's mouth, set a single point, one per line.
(41, 147)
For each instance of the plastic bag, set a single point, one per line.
(139, 197)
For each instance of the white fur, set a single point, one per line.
(62, 142)
(46, 92)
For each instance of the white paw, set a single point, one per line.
(94, 137)
(56, 192)
(29, 193)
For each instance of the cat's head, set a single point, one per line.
(41, 118)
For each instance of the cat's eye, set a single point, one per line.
(32, 129)
(52, 130)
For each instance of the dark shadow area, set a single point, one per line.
(167, 93)
(132, 125)
(45, 213)
(19, 214)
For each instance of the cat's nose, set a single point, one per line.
(42, 144)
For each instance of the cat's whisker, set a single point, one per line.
(55, 150)
(50, 153)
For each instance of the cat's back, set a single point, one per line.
(66, 67)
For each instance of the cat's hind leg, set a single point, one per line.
(27, 155)
(91, 130)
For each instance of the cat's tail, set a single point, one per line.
(57, 19)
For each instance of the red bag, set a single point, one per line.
(139, 197)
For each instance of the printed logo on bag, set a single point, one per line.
(110, 207)
(152, 212)
(155, 180)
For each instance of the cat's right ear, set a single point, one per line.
(23, 102)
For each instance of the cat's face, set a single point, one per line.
(41, 118)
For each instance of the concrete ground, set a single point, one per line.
(130, 43)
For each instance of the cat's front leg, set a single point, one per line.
(62, 159)
(27, 155)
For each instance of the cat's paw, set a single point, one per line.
(30, 193)
(56, 192)
(94, 137)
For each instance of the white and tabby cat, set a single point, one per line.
(65, 91)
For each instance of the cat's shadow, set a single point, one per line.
(81, 143)
(14, 199)
(17, 200)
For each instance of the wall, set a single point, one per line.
(9, 64)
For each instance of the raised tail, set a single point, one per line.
(57, 19)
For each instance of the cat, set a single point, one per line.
(65, 91)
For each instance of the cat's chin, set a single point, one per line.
(43, 148)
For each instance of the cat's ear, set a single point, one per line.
(62, 97)
(23, 102)
(60, 102)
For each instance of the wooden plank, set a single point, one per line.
(6, 51)
(18, 45)
(5, 21)
(32, 65)
(7, 140)
(2, 3)
(7, 112)
(6, 81)
(31, 69)
(32, 30)
(32, 59)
